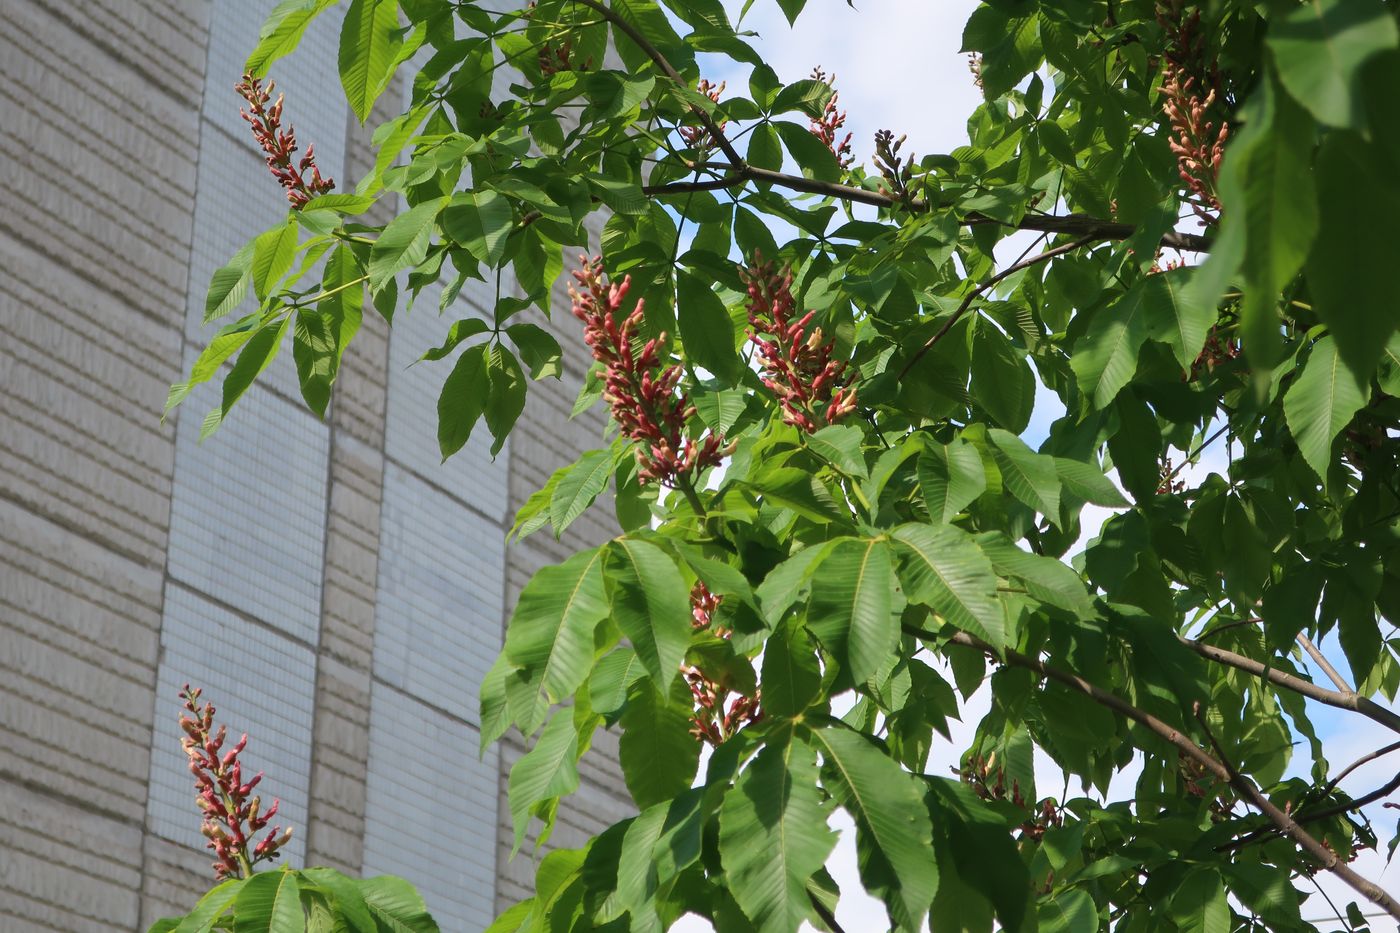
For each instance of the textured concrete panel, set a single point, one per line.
(260, 682)
(104, 130)
(63, 867)
(437, 629)
(428, 821)
(247, 521)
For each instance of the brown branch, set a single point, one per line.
(1290, 827)
(987, 285)
(1325, 664)
(1245, 787)
(1349, 699)
(621, 24)
(739, 174)
(1363, 760)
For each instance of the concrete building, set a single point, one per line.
(337, 591)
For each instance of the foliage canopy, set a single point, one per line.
(831, 525)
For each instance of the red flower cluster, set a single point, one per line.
(716, 716)
(643, 394)
(1192, 88)
(226, 801)
(828, 125)
(303, 181)
(697, 137)
(797, 367)
(703, 604)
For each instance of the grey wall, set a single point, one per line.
(336, 589)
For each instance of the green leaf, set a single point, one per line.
(550, 635)
(1199, 905)
(396, 905)
(1088, 482)
(651, 604)
(282, 31)
(792, 674)
(785, 583)
(546, 772)
(657, 752)
(1046, 578)
(1352, 270)
(480, 221)
(1070, 911)
(369, 43)
(808, 95)
(1005, 383)
(707, 332)
(1031, 477)
(791, 9)
(773, 836)
(229, 285)
(403, 243)
(349, 904)
(840, 445)
(1160, 307)
(506, 399)
(1267, 182)
(212, 906)
(944, 569)
(461, 330)
(951, 476)
(1321, 403)
(260, 350)
(611, 679)
(320, 335)
(269, 903)
(538, 348)
(1319, 49)
(889, 812)
(579, 485)
(854, 610)
(273, 252)
(463, 399)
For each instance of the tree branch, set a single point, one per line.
(621, 24)
(984, 287)
(1305, 841)
(1243, 786)
(739, 174)
(1325, 664)
(1350, 699)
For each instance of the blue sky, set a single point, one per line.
(899, 67)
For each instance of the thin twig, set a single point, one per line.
(1363, 760)
(1325, 664)
(622, 25)
(1195, 453)
(986, 286)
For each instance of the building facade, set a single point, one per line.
(337, 590)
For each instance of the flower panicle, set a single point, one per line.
(301, 178)
(642, 391)
(796, 362)
(828, 126)
(717, 715)
(698, 137)
(233, 814)
(1192, 96)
